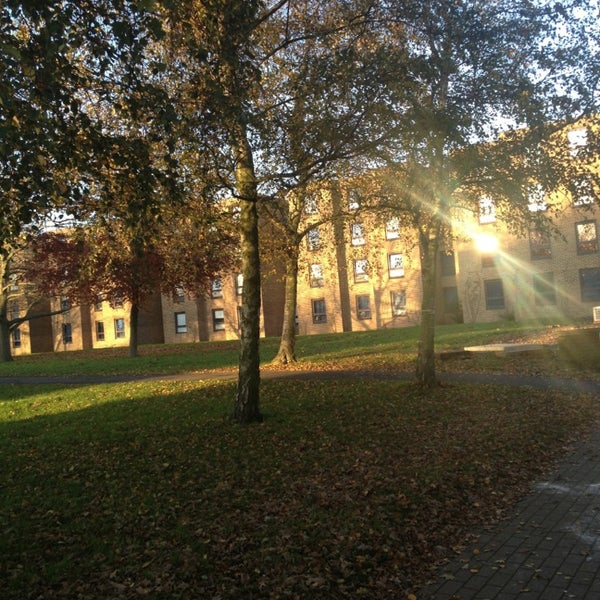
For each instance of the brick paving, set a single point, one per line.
(549, 549)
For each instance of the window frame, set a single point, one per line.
(318, 316)
(357, 234)
(119, 331)
(392, 232)
(180, 327)
(313, 239)
(99, 331)
(16, 338)
(396, 272)
(540, 248)
(487, 210)
(398, 308)
(316, 279)
(361, 270)
(216, 287)
(218, 321)
(593, 294)
(363, 313)
(67, 333)
(494, 301)
(580, 244)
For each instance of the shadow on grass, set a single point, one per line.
(347, 488)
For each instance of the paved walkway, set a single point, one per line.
(548, 550)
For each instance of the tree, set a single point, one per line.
(56, 58)
(477, 69)
(327, 113)
(102, 261)
(212, 47)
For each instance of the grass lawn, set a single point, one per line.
(348, 489)
(382, 349)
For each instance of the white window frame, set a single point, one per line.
(396, 265)
(392, 228)
(216, 288)
(99, 330)
(398, 302)
(357, 234)
(361, 270)
(316, 275)
(313, 239)
(487, 210)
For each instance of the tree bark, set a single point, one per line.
(246, 407)
(5, 350)
(287, 345)
(133, 330)
(425, 368)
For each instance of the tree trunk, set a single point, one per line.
(287, 345)
(246, 407)
(425, 368)
(5, 351)
(133, 329)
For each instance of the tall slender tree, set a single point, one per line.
(479, 69)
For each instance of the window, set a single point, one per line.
(14, 309)
(589, 280)
(537, 198)
(119, 328)
(313, 239)
(178, 295)
(98, 307)
(582, 191)
(361, 270)
(239, 284)
(16, 338)
(117, 302)
(180, 322)
(586, 236)
(398, 303)
(396, 265)
(354, 200)
(67, 333)
(450, 298)
(539, 245)
(392, 228)
(488, 259)
(448, 265)
(357, 234)
(100, 331)
(311, 204)
(319, 314)
(316, 275)
(494, 294)
(363, 307)
(216, 288)
(578, 139)
(487, 210)
(65, 304)
(543, 289)
(218, 318)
